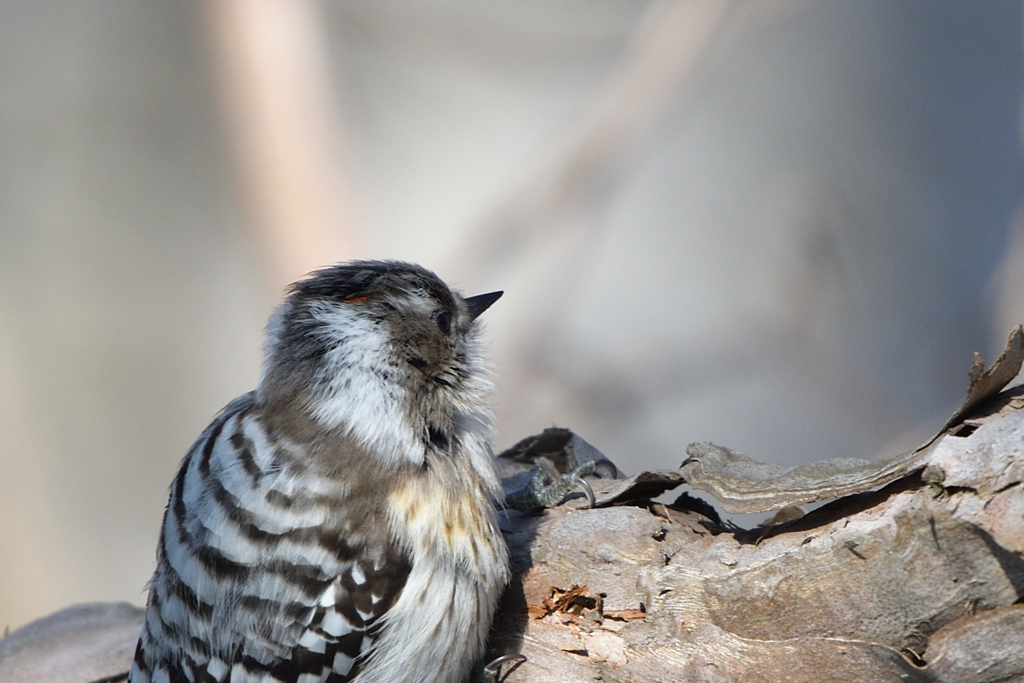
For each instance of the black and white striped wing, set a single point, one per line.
(259, 579)
(344, 625)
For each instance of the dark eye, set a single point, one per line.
(443, 321)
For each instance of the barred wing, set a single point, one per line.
(263, 572)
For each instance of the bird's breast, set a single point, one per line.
(447, 518)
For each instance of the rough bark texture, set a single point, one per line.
(914, 572)
(914, 582)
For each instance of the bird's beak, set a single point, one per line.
(481, 302)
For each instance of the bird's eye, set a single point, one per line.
(443, 321)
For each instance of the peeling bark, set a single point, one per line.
(912, 573)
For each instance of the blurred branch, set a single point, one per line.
(285, 128)
(536, 239)
(665, 48)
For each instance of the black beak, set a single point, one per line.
(481, 302)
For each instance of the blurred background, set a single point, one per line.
(780, 225)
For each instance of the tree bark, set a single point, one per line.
(914, 572)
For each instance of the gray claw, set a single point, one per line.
(580, 482)
(490, 672)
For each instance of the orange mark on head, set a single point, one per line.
(356, 299)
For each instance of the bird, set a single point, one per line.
(340, 522)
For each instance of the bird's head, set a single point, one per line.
(381, 350)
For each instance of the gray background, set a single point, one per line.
(795, 257)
